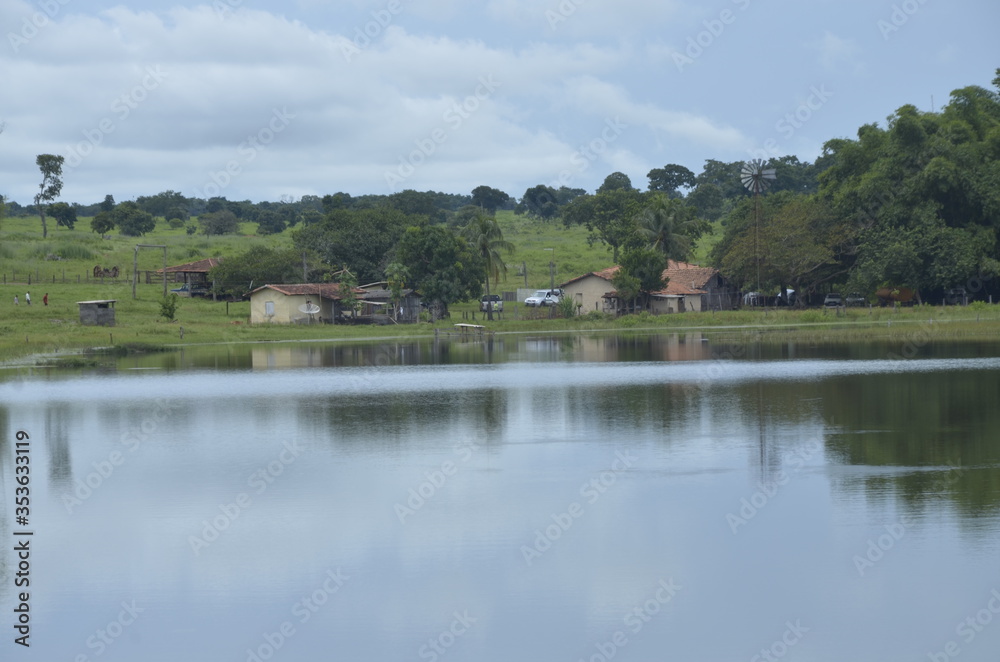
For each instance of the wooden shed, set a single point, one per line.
(97, 313)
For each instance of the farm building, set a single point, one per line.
(192, 273)
(97, 313)
(377, 300)
(690, 288)
(281, 304)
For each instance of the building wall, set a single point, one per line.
(286, 307)
(589, 291)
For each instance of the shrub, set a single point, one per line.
(175, 223)
(168, 306)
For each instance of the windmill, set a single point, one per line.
(756, 179)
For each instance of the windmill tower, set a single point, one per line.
(756, 179)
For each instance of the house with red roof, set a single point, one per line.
(690, 288)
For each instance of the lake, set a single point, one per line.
(627, 497)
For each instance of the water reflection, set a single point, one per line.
(423, 470)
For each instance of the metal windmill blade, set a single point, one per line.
(755, 177)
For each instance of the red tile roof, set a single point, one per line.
(684, 278)
(325, 290)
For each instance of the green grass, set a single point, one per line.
(38, 329)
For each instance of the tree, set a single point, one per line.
(670, 178)
(708, 201)
(613, 220)
(616, 181)
(64, 214)
(258, 266)
(108, 204)
(669, 226)
(130, 220)
(396, 276)
(441, 265)
(219, 222)
(348, 297)
(641, 272)
(488, 198)
(540, 200)
(486, 238)
(51, 168)
(358, 239)
(102, 223)
(269, 222)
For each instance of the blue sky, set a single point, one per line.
(250, 99)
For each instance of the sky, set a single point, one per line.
(268, 101)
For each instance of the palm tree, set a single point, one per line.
(667, 223)
(486, 238)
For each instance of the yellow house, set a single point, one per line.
(690, 288)
(286, 304)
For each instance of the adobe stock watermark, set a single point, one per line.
(106, 636)
(780, 647)
(562, 12)
(454, 117)
(756, 502)
(248, 151)
(968, 629)
(303, 610)
(260, 480)
(370, 31)
(635, 620)
(121, 108)
(899, 17)
(878, 547)
(792, 122)
(418, 496)
(32, 25)
(703, 40)
(592, 490)
(225, 8)
(586, 155)
(439, 645)
(86, 486)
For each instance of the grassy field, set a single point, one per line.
(37, 329)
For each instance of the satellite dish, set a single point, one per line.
(309, 309)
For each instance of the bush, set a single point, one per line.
(175, 223)
(567, 307)
(168, 306)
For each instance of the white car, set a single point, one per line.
(544, 298)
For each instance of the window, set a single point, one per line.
(269, 308)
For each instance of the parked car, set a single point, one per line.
(544, 298)
(855, 299)
(833, 300)
(491, 302)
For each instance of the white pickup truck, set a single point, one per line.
(544, 298)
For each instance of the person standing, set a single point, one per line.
(15, 300)
(45, 299)
(27, 298)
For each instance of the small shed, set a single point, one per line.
(191, 273)
(97, 313)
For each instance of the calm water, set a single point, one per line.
(635, 498)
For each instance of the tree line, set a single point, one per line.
(915, 203)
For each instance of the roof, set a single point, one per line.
(325, 290)
(385, 294)
(201, 266)
(682, 278)
(100, 301)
